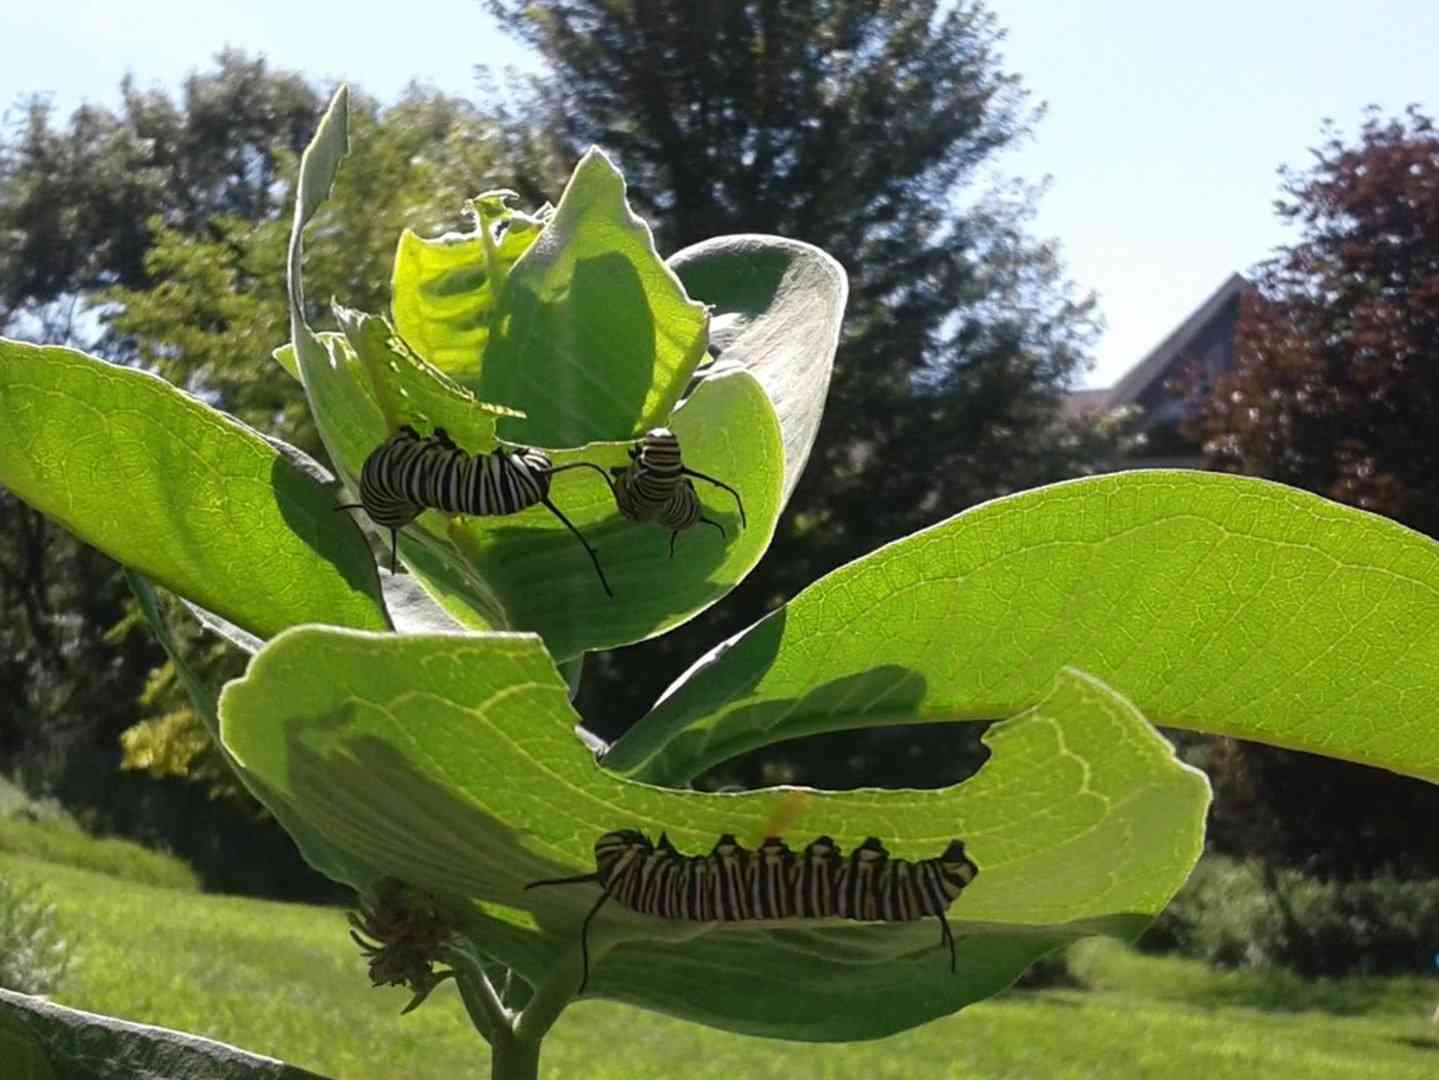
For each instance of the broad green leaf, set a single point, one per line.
(1217, 603)
(20, 1047)
(449, 762)
(591, 334)
(40, 1040)
(776, 306)
(180, 492)
(317, 850)
(527, 571)
(409, 607)
(445, 290)
(542, 580)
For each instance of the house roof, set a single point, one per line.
(1158, 361)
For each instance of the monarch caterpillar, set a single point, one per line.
(657, 487)
(733, 884)
(408, 473)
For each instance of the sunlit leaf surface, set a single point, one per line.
(449, 762)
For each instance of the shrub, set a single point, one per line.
(12, 798)
(34, 958)
(1234, 914)
(1378, 926)
(1050, 971)
(1223, 915)
(43, 830)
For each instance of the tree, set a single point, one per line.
(861, 128)
(1335, 384)
(1335, 389)
(155, 235)
(76, 204)
(76, 207)
(212, 306)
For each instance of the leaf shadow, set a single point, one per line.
(635, 557)
(673, 745)
(420, 832)
(1418, 1043)
(605, 300)
(329, 534)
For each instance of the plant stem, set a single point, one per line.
(515, 1051)
(514, 1038)
(549, 1000)
(479, 999)
(512, 1058)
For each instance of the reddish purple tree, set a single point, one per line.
(1336, 389)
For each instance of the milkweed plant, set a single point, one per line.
(414, 731)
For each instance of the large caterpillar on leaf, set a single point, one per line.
(658, 488)
(408, 474)
(734, 884)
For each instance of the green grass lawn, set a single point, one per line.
(42, 829)
(285, 980)
(60, 840)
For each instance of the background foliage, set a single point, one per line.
(128, 233)
(961, 333)
(1335, 389)
(152, 232)
(865, 129)
(1235, 914)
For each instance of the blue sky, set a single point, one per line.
(1166, 122)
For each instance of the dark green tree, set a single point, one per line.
(866, 129)
(154, 234)
(76, 202)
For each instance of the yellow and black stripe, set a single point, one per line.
(409, 473)
(734, 884)
(657, 487)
